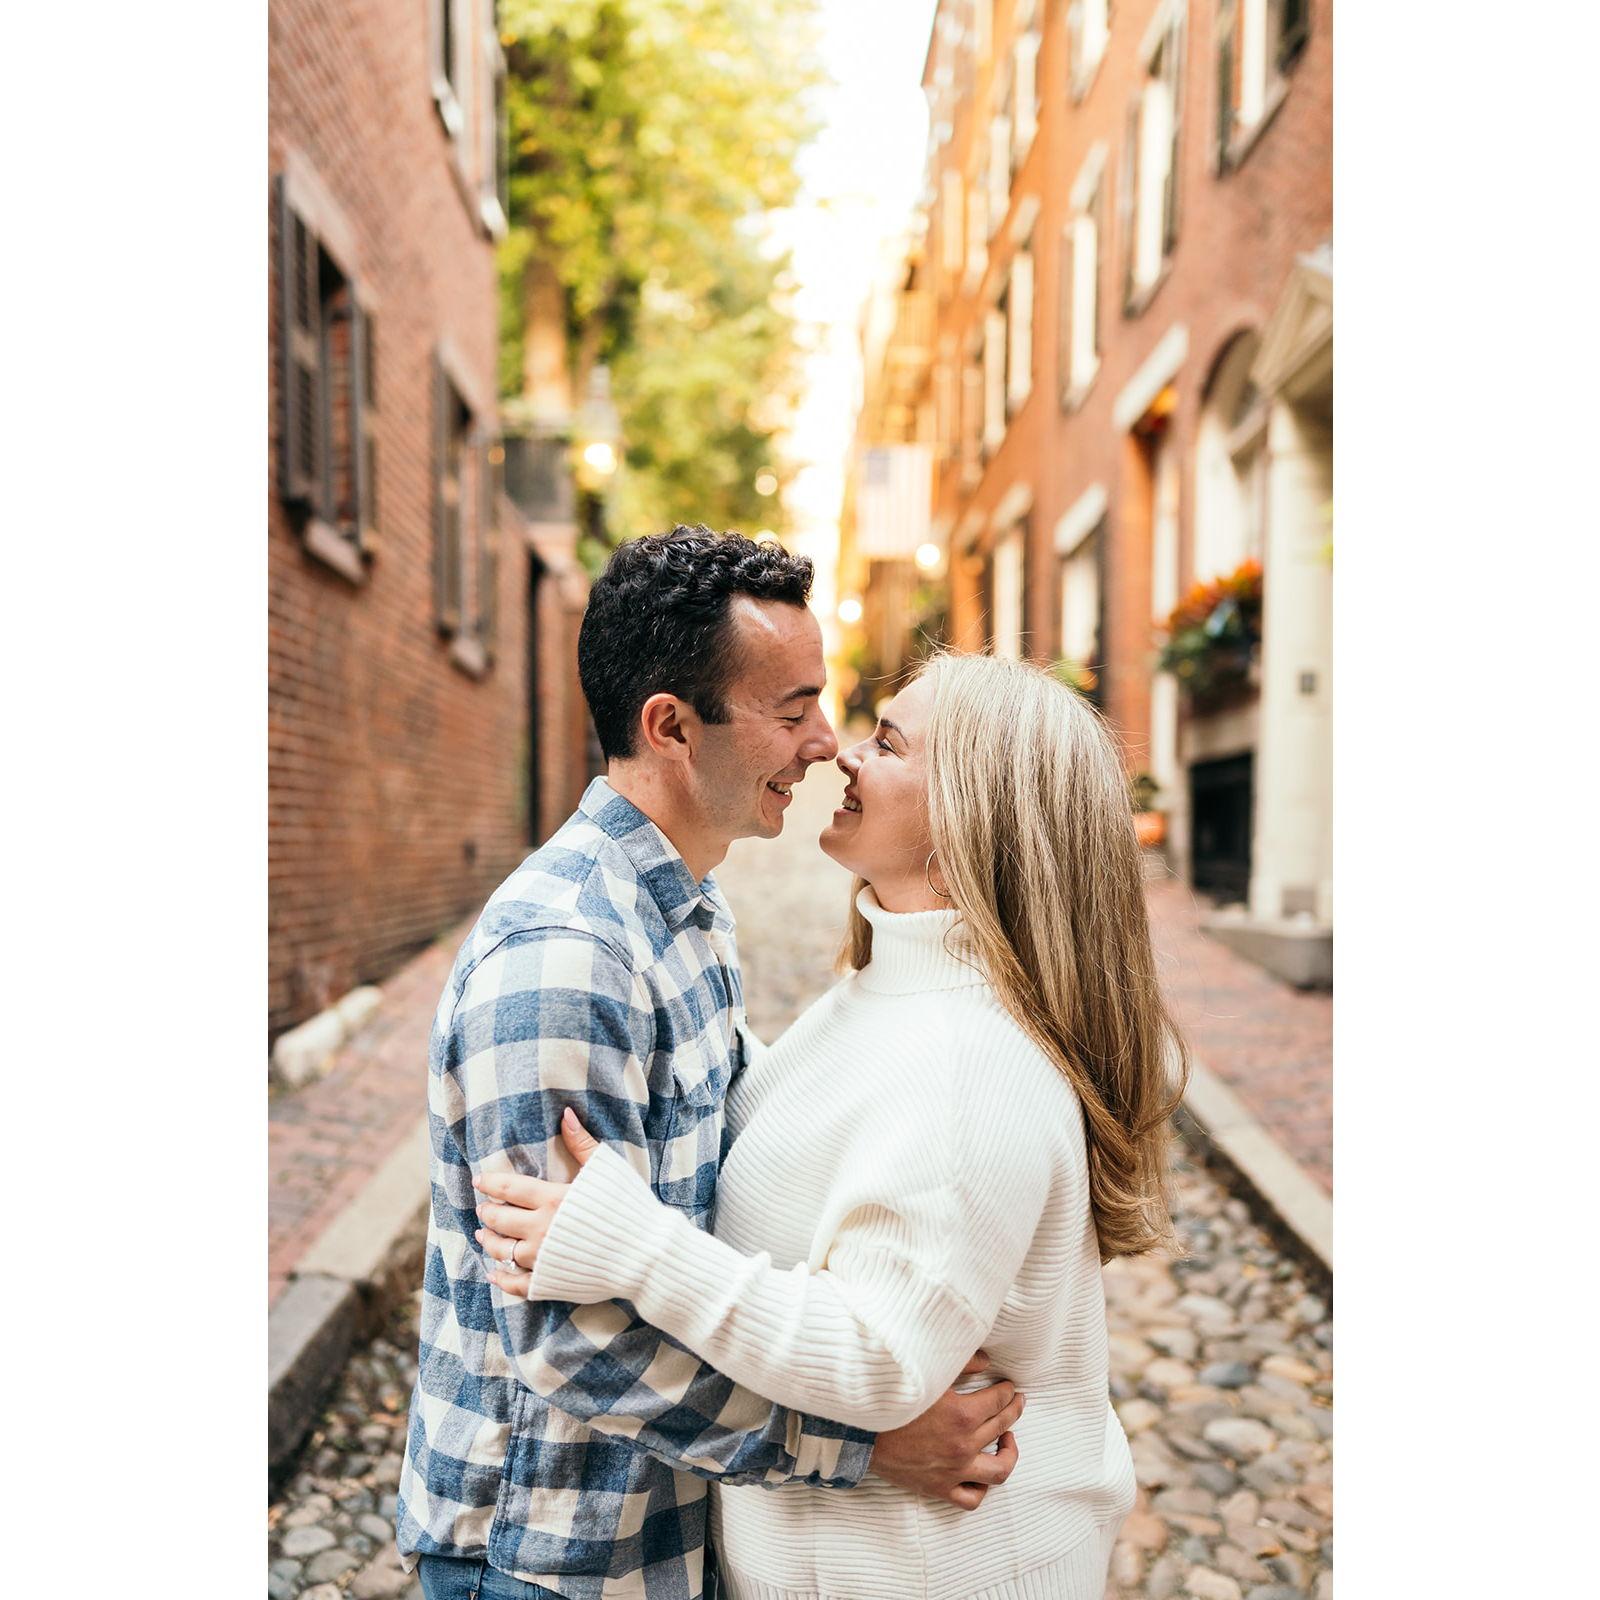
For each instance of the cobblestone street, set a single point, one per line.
(1221, 1364)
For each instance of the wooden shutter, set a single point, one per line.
(446, 505)
(363, 432)
(1294, 29)
(491, 460)
(302, 454)
(1228, 27)
(1172, 77)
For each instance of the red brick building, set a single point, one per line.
(1128, 242)
(424, 723)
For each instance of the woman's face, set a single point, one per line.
(880, 833)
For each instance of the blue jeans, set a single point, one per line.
(461, 1578)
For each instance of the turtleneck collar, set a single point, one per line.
(915, 951)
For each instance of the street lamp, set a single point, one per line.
(597, 434)
(928, 556)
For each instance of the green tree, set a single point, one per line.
(648, 142)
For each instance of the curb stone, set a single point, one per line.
(342, 1290)
(1215, 1120)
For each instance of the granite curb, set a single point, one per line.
(342, 1291)
(1290, 1202)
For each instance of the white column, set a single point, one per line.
(1293, 843)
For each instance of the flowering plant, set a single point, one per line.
(1075, 675)
(1213, 635)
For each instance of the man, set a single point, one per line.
(560, 1450)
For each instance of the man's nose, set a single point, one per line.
(823, 743)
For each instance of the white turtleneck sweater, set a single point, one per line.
(909, 1183)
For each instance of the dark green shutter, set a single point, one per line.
(446, 506)
(362, 424)
(1294, 29)
(489, 480)
(301, 455)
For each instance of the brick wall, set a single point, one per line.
(398, 782)
(1239, 234)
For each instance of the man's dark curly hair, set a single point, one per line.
(658, 623)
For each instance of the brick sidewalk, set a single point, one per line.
(1271, 1044)
(326, 1140)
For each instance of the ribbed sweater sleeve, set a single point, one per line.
(912, 1278)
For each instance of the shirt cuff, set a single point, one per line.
(840, 1462)
(599, 1244)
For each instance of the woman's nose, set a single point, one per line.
(849, 761)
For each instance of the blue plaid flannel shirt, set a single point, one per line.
(569, 1445)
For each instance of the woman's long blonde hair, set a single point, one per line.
(1029, 811)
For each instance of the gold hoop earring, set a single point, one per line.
(927, 875)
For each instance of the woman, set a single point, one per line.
(938, 1155)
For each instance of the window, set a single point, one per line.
(1088, 30)
(1230, 465)
(977, 234)
(447, 64)
(1257, 43)
(1019, 332)
(999, 170)
(994, 379)
(1081, 604)
(952, 224)
(494, 155)
(1080, 280)
(972, 403)
(468, 466)
(1005, 588)
(327, 373)
(982, 28)
(1150, 167)
(1024, 88)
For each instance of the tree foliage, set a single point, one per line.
(647, 143)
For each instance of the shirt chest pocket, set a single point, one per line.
(686, 1172)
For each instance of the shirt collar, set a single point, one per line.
(660, 868)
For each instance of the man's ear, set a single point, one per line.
(669, 727)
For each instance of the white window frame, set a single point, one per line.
(977, 234)
(1019, 331)
(1158, 113)
(1084, 240)
(999, 176)
(1081, 600)
(1025, 96)
(447, 78)
(492, 133)
(994, 381)
(1008, 623)
(1257, 83)
(1088, 33)
(952, 223)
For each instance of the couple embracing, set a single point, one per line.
(850, 1281)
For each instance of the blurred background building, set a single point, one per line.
(1103, 362)
(424, 719)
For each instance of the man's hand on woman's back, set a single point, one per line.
(944, 1454)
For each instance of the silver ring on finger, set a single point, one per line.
(511, 1260)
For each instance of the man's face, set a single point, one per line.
(775, 728)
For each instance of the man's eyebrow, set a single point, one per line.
(805, 692)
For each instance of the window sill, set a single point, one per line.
(467, 653)
(1082, 85)
(1139, 301)
(334, 550)
(1248, 138)
(1073, 399)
